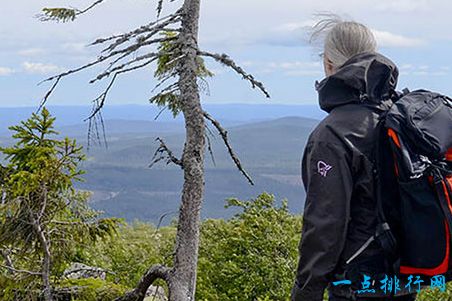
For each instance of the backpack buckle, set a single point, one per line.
(363, 97)
(448, 101)
(405, 91)
(437, 176)
(361, 249)
(383, 236)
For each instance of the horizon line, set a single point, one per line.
(153, 105)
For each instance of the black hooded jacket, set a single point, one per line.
(337, 171)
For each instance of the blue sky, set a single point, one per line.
(267, 37)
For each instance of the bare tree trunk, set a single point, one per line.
(182, 284)
(46, 262)
(181, 277)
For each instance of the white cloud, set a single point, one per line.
(295, 26)
(439, 73)
(246, 63)
(406, 67)
(299, 68)
(389, 39)
(403, 6)
(79, 48)
(292, 34)
(429, 73)
(309, 73)
(296, 65)
(5, 71)
(31, 52)
(296, 34)
(40, 68)
(288, 68)
(423, 70)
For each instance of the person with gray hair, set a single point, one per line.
(338, 172)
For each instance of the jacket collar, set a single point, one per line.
(366, 77)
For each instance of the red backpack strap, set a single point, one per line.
(449, 155)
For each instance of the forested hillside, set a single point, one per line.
(124, 186)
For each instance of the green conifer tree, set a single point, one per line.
(43, 218)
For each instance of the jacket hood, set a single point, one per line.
(366, 77)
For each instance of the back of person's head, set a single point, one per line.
(342, 39)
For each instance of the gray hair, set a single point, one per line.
(342, 39)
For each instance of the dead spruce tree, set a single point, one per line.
(172, 43)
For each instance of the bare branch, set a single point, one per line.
(103, 129)
(209, 148)
(90, 7)
(64, 14)
(164, 153)
(159, 113)
(96, 114)
(226, 60)
(142, 41)
(136, 32)
(100, 100)
(88, 138)
(87, 269)
(115, 61)
(154, 273)
(151, 56)
(11, 269)
(155, 41)
(169, 90)
(46, 97)
(159, 7)
(164, 80)
(99, 60)
(44, 204)
(8, 261)
(204, 86)
(175, 59)
(224, 135)
(150, 32)
(58, 77)
(209, 131)
(162, 217)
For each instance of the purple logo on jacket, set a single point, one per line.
(323, 168)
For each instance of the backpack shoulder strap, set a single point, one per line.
(383, 234)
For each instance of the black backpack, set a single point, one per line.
(414, 184)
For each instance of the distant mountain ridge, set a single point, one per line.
(123, 185)
(270, 151)
(229, 114)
